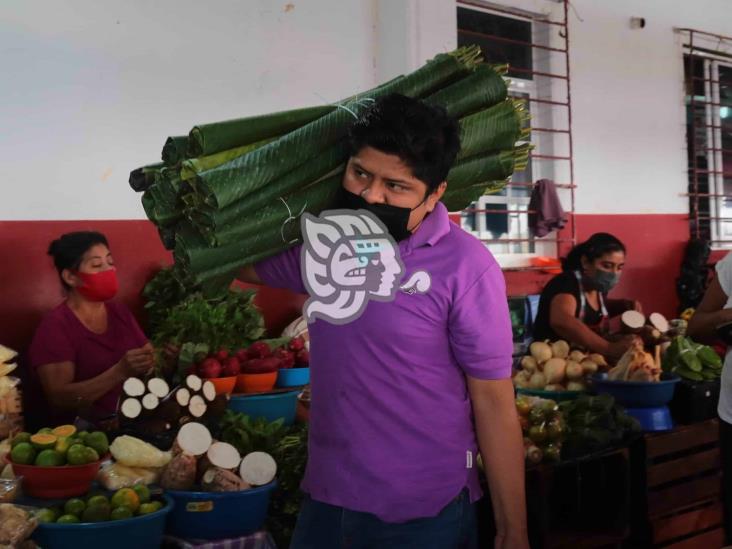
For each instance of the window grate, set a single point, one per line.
(536, 50)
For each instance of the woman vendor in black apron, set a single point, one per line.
(574, 305)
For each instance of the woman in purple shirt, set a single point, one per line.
(86, 347)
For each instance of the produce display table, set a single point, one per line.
(258, 540)
(676, 498)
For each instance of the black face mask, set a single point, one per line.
(395, 219)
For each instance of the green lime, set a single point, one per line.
(91, 454)
(68, 519)
(121, 512)
(23, 453)
(98, 441)
(45, 431)
(143, 492)
(21, 437)
(44, 441)
(96, 513)
(49, 458)
(126, 497)
(76, 454)
(152, 507)
(74, 506)
(46, 515)
(95, 501)
(81, 436)
(63, 444)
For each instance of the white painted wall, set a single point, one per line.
(92, 88)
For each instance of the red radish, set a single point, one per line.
(287, 358)
(302, 358)
(261, 365)
(222, 354)
(231, 367)
(259, 349)
(210, 368)
(297, 344)
(241, 355)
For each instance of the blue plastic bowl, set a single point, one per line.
(293, 377)
(218, 515)
(271, 407)
(144, 532)
(652, 419)
(638, 394)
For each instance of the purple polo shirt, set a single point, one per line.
(390, 419)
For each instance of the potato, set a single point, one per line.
(540, 351)
(574, 370)
(554, 370)
(537, 381)
(560, 349)
(589, 366)
(577, 356)
(529, 364)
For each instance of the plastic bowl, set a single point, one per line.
(218, 515)
(293, 377)
(638, 394)
(271, 407)
(144, 532)
(223, 385)
(657, 418)
(557, 396)
(255, 383)
(64, 481)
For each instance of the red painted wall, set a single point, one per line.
(29, 286)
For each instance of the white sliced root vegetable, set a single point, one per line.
(258, 469)
(209, 390)
(194, 383)
(221, 480)
(528, 363)
(659, 322)
(197, 406)
(224, 455)
(537, 380)
(632, 321)
(150, 401)
(131, 408)
(560, 349)
(574, 370)
(554, 370)
(540, 351)
(133, 387)
(183, 396)
(589, 367)
(158, 386)
(194, 439)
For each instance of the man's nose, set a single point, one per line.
(374, 194)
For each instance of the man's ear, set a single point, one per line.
(435, 196)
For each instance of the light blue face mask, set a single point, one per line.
(605, 281)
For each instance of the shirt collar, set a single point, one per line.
(434, 227)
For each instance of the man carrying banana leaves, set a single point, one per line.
(411, 350)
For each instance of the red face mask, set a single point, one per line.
(101, 286)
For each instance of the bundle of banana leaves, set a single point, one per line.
(231, 193)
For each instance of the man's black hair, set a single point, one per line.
(594, 247)
(425, 137)
(69, 250)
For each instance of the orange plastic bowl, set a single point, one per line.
(64, 481)
(256, 383)
(224, 385)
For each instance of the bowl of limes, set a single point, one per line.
(130, 517)
(57, 463)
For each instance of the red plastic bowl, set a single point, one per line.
(223, 385)
(65, 481)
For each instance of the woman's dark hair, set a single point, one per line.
(68, 251)
(425, 137)
(596, 246)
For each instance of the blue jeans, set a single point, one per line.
(324, 526)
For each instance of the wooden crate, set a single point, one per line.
(677, 489)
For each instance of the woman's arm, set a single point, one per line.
(57, 379)
(710, 314)
(564, 323)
